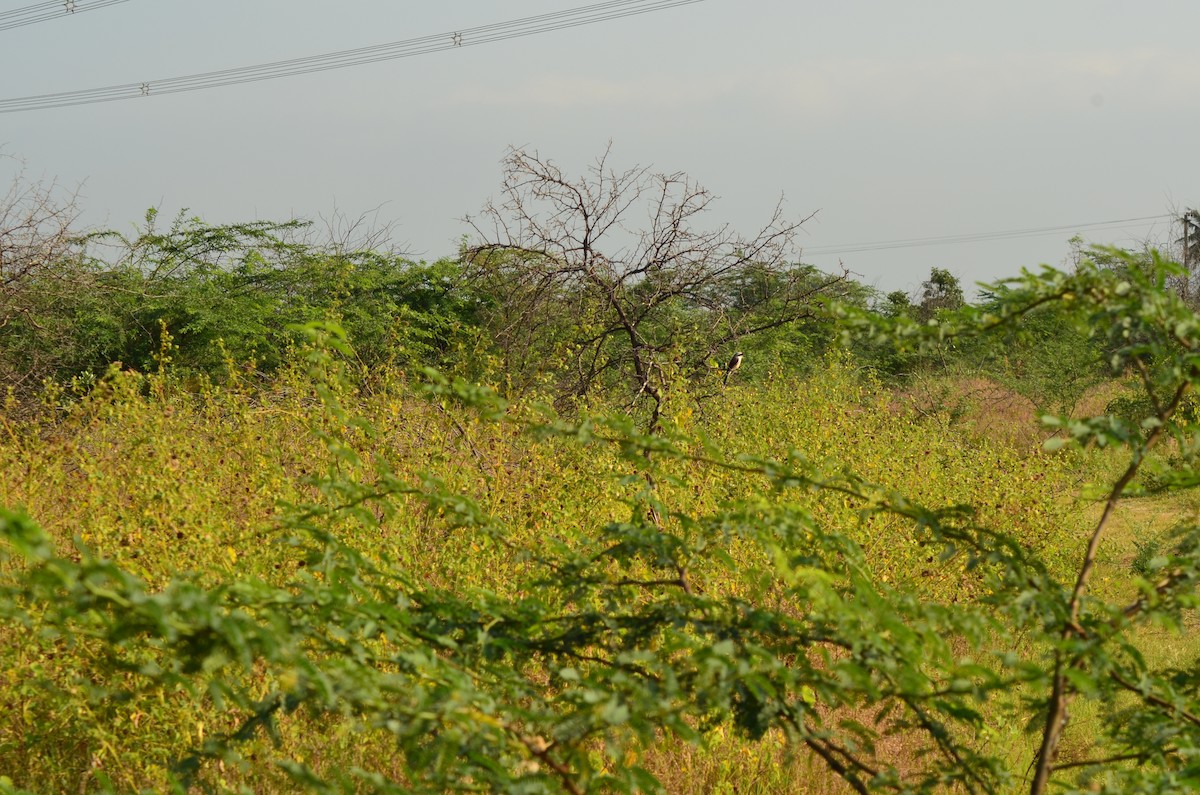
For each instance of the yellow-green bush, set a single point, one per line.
(163, 479)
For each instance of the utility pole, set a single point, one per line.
(1189, 219)
(1187, 268)
(1186, 224)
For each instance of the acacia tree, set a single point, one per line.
(611, 278)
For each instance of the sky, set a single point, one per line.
(891, 121)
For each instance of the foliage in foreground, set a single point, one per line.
(162, 482)
(667, 621)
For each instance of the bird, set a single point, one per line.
(734, 364)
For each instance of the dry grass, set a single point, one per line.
(985, 409)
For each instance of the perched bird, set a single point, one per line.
(734, 364)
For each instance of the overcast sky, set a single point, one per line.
(895, 121)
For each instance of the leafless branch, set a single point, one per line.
(619, 265)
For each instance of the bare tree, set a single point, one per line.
(341, 234)
(39, 254)
(36, 238)
(610, 277)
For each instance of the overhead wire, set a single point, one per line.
(466, 37)
(36, 7)
(979, 237)
(40, 12)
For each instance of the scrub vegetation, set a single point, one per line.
(290, 513)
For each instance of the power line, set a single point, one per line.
(976, 237)
(33, 9)
(40, 12)
(467, 37)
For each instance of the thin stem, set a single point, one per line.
(1057, 716)
(1150, 698)
(1137, 757)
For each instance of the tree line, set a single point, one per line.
(574, 287)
